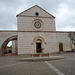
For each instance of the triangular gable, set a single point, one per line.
(31, 12)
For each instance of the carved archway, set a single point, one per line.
(34, 40)
(38, 39)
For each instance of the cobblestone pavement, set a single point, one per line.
(10, 65)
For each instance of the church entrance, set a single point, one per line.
(38, 46)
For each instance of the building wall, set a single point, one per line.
(27, 42)
(27, 23)
(27, 32)
(62, 37)
(26, 19)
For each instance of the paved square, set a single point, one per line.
(10, 65)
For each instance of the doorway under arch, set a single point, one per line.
(38, 46)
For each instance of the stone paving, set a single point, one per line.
(9, 65)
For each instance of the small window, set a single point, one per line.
(36, 13)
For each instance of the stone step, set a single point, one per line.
(42, 58)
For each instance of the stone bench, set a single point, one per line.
(37, 55)
(40, 54)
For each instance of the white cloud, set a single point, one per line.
(65, 18)
(62, 9)
(66, 29)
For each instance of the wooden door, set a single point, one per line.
(60, 47)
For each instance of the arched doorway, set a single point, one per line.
(38, 46)
(39, 43)
(60, 47)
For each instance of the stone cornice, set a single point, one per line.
(34, 16)
(37, 31)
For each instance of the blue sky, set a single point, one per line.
(63, 10)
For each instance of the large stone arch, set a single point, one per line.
(5, 41)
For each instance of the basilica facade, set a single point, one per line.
(36, 33)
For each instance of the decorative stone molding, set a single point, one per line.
(36, 38)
